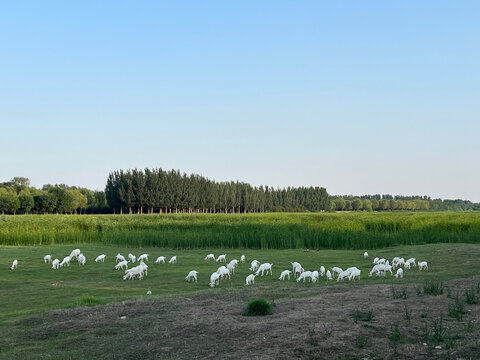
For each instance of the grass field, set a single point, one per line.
(252, 231)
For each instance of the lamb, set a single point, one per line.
(411, 262)
(119, 258)
(132, 258)
(74, 254)
(329, 275)
(343, 275)
(422, 265)
(336, 270)
(375, 261)
(173, 260)
(381, 261)
(250, 279)
(284, 274)
(304, 276)
(387, 268)
(365, 255)
(378, 270)
(354, 274)
(66, 261)
(314, 276)
(47, 259)
(224, 273)
(298, 270)
(407, 266)
(133, 272)
(14, 264)
(231, 266)
(160, 259)
(399, 273)
(254, 265)
(295, 265)
(242, 259)
(209, 257)
(81, 259)
(144, 267)
(143, 257)
(264, 267)
(322, 270)
(221, 268)
(122, 264)
(214, 279)
(55, 264)
(222, 258)
(100, 258)
(192, 275)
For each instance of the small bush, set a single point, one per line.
(259, 307)
(470, 296)
(399, 293)
(362, 315)
(434, 288)
(395, 334)
(456, 309)
(434, 331)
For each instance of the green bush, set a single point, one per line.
(432, 287)
(470, 296)
(399, 293)
(362, 315)
(259, 307)
(456, 309)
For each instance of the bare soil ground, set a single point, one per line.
(314, 323)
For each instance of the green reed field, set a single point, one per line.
(252, 231)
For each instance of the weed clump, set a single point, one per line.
(362, 315)
(432, 287)
(259, 307)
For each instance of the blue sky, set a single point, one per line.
(357, 96)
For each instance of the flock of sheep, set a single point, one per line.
(380, 268)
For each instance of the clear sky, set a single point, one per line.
(361, 97)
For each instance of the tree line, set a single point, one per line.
(160, 191)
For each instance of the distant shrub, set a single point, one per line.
(456, 309)
(362, 315)
(432, 287)
(399, 293)
(470, 296)
(259, 307)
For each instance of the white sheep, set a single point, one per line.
(388, 268)
(132, 273)
(354, 274)
(295, 265)
(322, 270)
(119, 258)
(55, 264)
(378, 269)
(74, 254)
(304, 276)
(422, 265)
(222, 258)
(314, 276)
(192, 275)
(132, 257)
(214, 279)
(399, 273)
(365, 255)
(14, 264)
(173, 260)
(250, 279)
(336, 270)
(254, 265)
(407, 266)
(144, 267)
(343, 275)
(224, 272)
(411, 262)
(329, 275)
(81, 259)
(66, 261)
(375, 261)
(47, 259)
(143, 257)
(160, 259)
(231, 266)
(121, 265)
(298, 270)
(209, 257)
(242, 258)
(264, 267)
(100, 258)
(284, 274)
(381, 261)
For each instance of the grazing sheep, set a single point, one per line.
(295, 265)
(132, 258)
(133, 273)
(375, 261)
(214, 279)
(242, 258)
(173, 260)
(121, 265)
(224, 272)
(220, 268)
(254, 265)
(422, 265)
(66, 261)
(119, 258)
(284, 274)
(160, 259)
(378, 269)
(100, 258)
(264, 267)
(209, 257)
(74, 254)
(192, 275)
(250, 279)
(411, 262)
(336, 270)
(343, 275)
(47, 259)
(304, 276)
(231, 266)
(365, 255)
(322, 270)
(55, 264)
(314, 276)
(222, 258)
(143, 257)
(298, 270)
(14, 264)
(354, 274)
(329, 275)
(381, 261)
(144, 267)
(387, 268)
(81, 259)
(407, 266)
(399, 273)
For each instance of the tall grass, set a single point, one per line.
(265, 231)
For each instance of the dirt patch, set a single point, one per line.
(319, 323)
